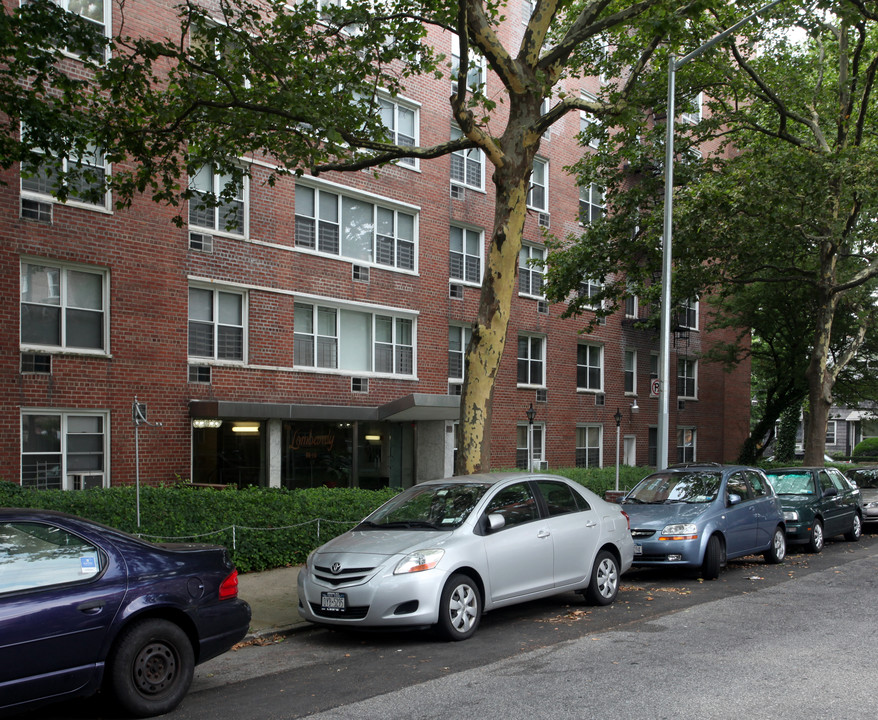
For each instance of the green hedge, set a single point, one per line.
(866, 450)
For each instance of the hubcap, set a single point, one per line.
(155, 668)
(780, 546)
(818, 536)
(463, 608)
(608, 578)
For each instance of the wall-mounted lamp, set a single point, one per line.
(207, 423)
(245, 427)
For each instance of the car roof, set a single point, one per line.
(493, 478)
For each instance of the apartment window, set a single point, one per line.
(465, 261)
(476, 70)
(591, 203)
(401, 121)
(629, 368)
(83, 182)
(589, 288)
(63, 307)
(531, 360)
(537, 451)
(687, 380)
(653, 365)
(692, 110)
(467, 166)
(538, 193)
(96, 12)
(631, 307)
(588, 445)
(531, 261)
(686, 445)
(394, 349)
(687, 314)
(315, 338)
(589, 122)
(354, 229)
(589, 367)
(216, 324)
(458, 340)
(229, 215)
(831, 426)
(63, 450)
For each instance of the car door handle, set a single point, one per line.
(591, 523)
(543, 534)
(92, 607)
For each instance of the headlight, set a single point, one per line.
(790, 515)
(419, 561)
(680, 531)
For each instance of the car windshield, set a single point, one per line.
(432, 507)
(793, 483)
(865, 478)
(691, 487)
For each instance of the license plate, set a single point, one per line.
(638, 549)
(333, 601)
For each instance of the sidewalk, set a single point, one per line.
(274, 601)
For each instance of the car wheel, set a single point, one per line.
(151, 667)
(604, 584)
(815, 542)
(714, 558)
(460, 608)
(856, 532)
(777, 551)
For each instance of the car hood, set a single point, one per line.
(646, 516)
(384, 543)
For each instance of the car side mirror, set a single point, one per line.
(830, 492)
(496, 522)
(734, 498)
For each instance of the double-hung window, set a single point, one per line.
(315, 340)
(467, 166)
(458, 340)
(401, 121)
(592, 205)
(465, 260)
(84, 178)
(216, 324)
(95, 12)
(687, 314)
(588, 445)
(692, 110)
(355, 229)
(476, 70)
(589, 124)
(64, 307)
(629, 368)
(530, 438)
(589, 367)
(63, 450)
(538, 194)
(531, 266)
(229, 215)
(686, 445)
(589, 288)
(532, 360)
(687, 378)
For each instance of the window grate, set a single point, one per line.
(36, 210)
(199, 374)
(36, 364)
(201, 242)
(455, 291)
(359, 385)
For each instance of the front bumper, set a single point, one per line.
(798, 532)
(683, 553)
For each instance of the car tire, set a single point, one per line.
(816, 539)
(460, 608)
(714, 558)
(856, 532)
(604, 584)
(151, 667)
(777, 551)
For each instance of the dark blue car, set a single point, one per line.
(83, 606)
(701, 515)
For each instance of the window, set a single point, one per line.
(530, 270)
(401, 121)
(687, 380)
(477, 66)
(352, 340)
(653, 365)
(465, 262)
(354, 229)
(631, 307)
(521, 450)
(685, 445)
(588, 445)
(515, 503)
(692, 110)
(96, 12)
(216, 324)
(629, 368)
(458, 339)
(467, 166)
(561, 499)
(229, 215)
(590, 288)
(84, 180)
(830, 432)
(63, 307)
(687, 314)
(589, 367)
(538, 193)
(531, 360)
(63, 451)
(591, 203)
(589, 123)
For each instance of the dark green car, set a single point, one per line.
(818, 503)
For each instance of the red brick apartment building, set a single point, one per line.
(322, 342)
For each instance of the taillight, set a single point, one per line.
(228, 589)
(627, 519)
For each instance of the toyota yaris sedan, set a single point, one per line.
(443, 552)
(699, 516)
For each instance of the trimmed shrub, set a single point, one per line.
(866, 450)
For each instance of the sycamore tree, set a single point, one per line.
(295, 83)
(785, 195)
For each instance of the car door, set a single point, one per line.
(520, 556)
(741, 519)
(575, 528)
(766, 507)
(58, 596)
(834, 521)
(847, 500)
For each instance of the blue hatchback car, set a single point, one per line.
(698, 516)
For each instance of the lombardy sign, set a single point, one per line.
(308, 440)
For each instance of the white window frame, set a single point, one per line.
(683, 443)
(467, 234)
(528, 274)
(539, 441)
(320, 340)
(471, 158)
(106, 23)
(589, 288)
(686, 364)
(531, 361)
(337, 195)
(587, 448)
(695, 114)
(216, 324)
(591, 198)
(589, 367)
(396, 104)
(534, 184)
(460, 335)
(64, 453)
(632, 307)
(477, 64)
(629, 371)
(831, 432)
(66, 305)
(243, 200)
(587, 119)
(688, 314)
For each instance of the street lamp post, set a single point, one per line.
(531, 414)
(664, 346)
(618, 418)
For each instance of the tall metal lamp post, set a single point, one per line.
(618, 418)
(531, 414)
(664, 347)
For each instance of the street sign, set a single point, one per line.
(655, 385)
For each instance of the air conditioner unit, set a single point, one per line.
(681, 404)
(538, 465)
(599, 400)
(542, 307)
(457, 192)
(87, 481)
(543, 220)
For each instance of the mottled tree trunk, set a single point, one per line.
(820, 381)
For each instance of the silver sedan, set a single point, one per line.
(443, 552)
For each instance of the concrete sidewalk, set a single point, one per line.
(274, 601)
